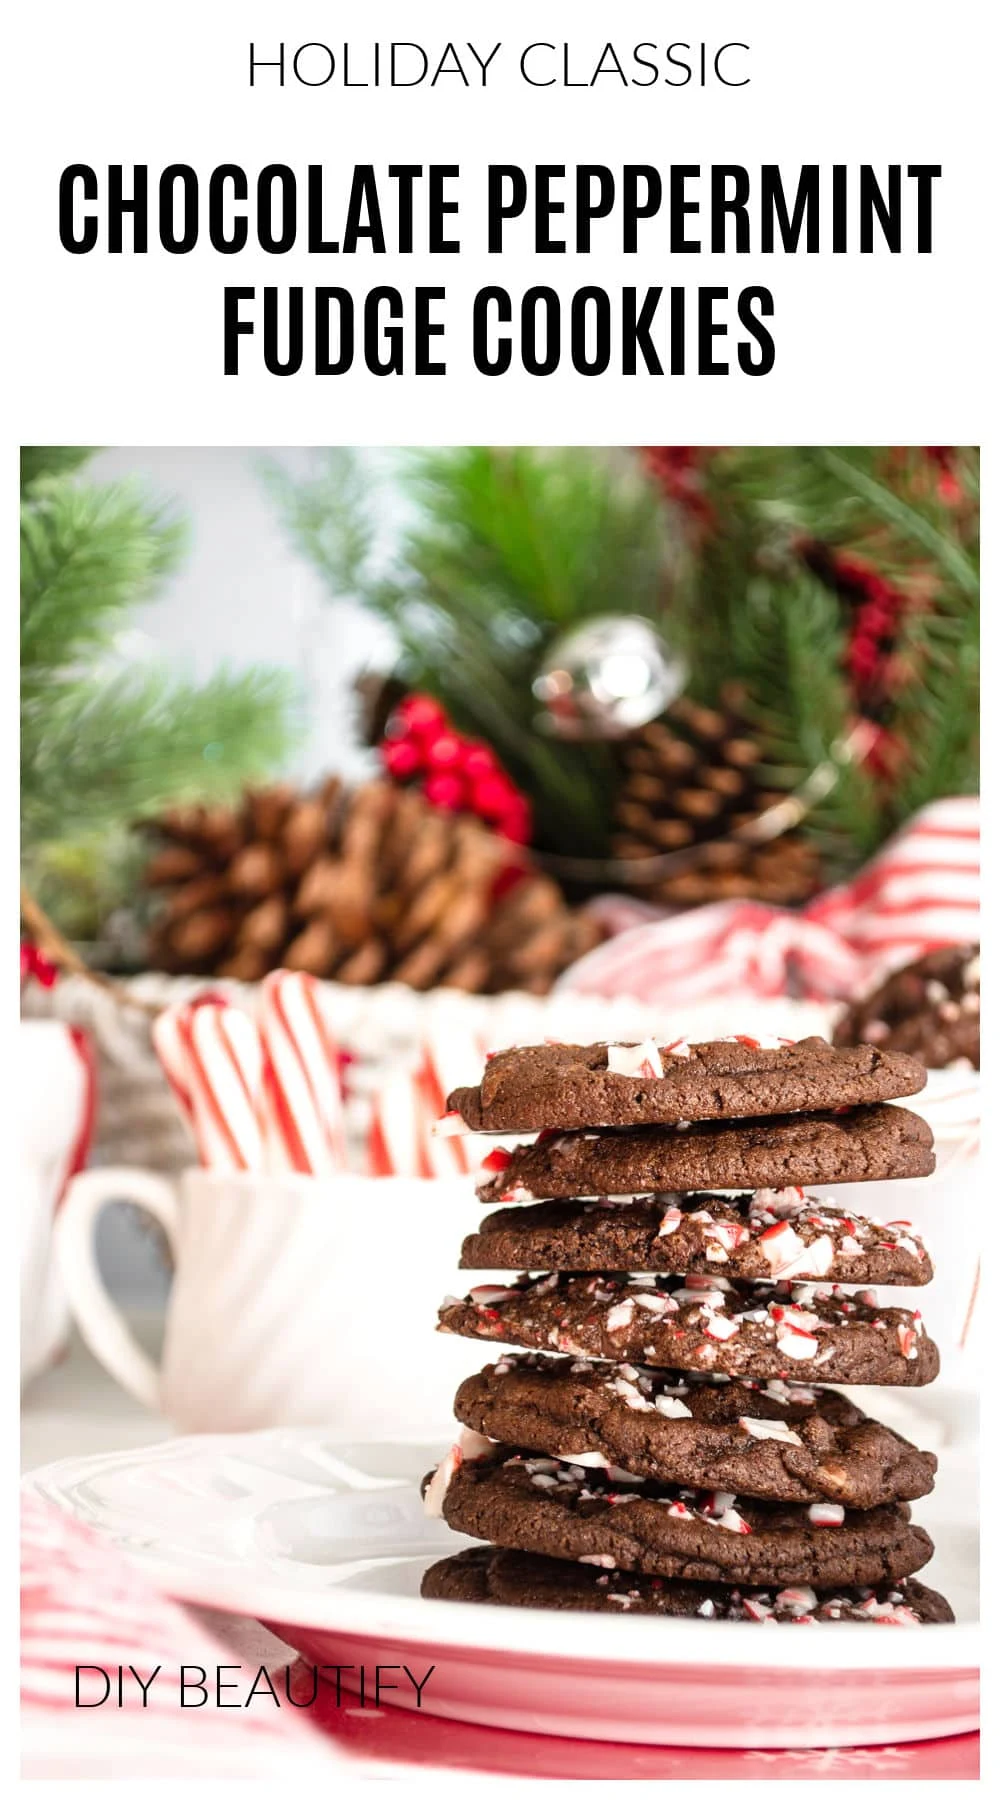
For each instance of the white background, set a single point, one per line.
(243, 594)
(129, 350)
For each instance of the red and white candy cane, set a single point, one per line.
(450, 1058)
(303, 1102)
(399, 1136)
(171, 1046)
(211, 1054)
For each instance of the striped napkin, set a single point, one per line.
(919, 893)
(83, 1606)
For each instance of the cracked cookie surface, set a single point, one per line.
(536, 1086)
(771, 1330)
(874, 1143)
(773, 1440)
(768, 1235)
(515, 1578)
(553, 1508)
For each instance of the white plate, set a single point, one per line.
(326, 1542)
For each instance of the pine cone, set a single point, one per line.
(688, 781)
(373, 885)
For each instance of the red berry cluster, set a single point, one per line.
(679, 471)
(874, 627)
(459, 774)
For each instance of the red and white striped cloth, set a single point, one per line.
(919, 893)
(84, 1606)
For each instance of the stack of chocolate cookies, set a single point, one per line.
(673, 1441)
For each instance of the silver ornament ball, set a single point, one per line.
(607, 677)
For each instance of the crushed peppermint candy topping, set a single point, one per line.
(599, 1562)
(788, 1254)
(781, 1203)
(671, 1407)
(656, 1303)
(627, 1391)
(797, 1599)
(440, 1482)
(620, 1316)
(717, 1326)
(826, 1513)
(517, 1192)
(496, 1161)
(490, 1296)
(679, 1047)
(672, 1218)
(451, 1124)
(762, 1043)
(641, 1060)
(797, 1344)
(774, 1429)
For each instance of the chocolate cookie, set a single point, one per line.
(770, 1440)
(875, 1143)
(705, 1323)
(513, 1578)
(930, 1010)
(754, 1237)
(524, 1502)
(574, 1085)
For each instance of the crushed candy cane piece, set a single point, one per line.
(517, 1192)
(907, 1341)
(762, 1043)
(775, 1429)
(797, 1599)
(784, 1202)
(754, 1608)
(671, 1407)
(672, 1218)
(824, 1513)
(621, 1315)
(642, 1059)
(797, 1344)
(489, 1296)
(718, 1327)
(440, 1482)
(679, 1047)
(627, 1391)
(451, 1124)
(599, 1562)
(497, 1159)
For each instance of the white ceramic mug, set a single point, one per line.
(295, 1301)
(54, 1112)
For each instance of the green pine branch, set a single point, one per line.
(501, 551)
(89, 555)
(102, 746)
(125, 747)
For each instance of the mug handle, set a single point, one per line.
(101, 1323)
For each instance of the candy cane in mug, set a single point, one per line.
(303, 1103)
(227, 1064)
